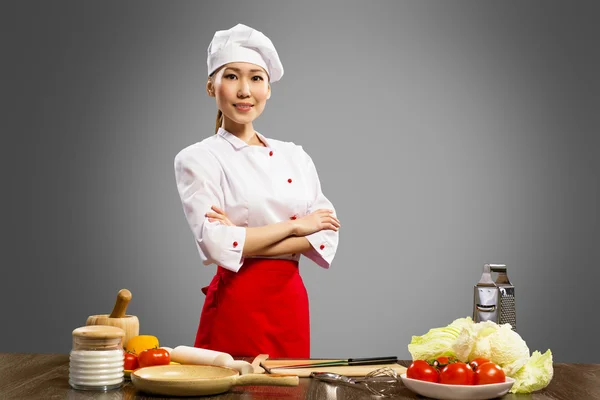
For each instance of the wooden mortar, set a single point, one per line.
(129, 323)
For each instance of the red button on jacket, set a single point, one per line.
(270, 153)
(322, 247)
(293, 217)
(235, 244)
(290, 180)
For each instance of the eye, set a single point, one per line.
(257, 78)
(230, 76)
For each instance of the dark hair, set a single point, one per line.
(219, 121)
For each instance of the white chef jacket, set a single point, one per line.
(255, 186)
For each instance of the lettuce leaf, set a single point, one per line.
(438, 341)
(472, 342)
(536, 374)
(508, 349)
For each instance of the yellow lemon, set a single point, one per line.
(139, 343)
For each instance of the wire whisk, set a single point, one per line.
(382, 382)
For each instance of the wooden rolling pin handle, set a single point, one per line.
(121, 305)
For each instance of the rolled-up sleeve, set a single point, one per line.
(197, 173)
(324, 243)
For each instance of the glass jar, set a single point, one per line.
(96, 360)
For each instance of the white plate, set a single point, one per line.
(458, 392)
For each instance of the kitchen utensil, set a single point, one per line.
(458, 392)
(200, 380)
(274, 366)
(257, 363)
(495, 301)
(96, 360)
(241, 366)
(194, 355)
(349, 361)
(382, 382)
(129, 323)
(198, 356)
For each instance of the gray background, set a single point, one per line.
(448, 134)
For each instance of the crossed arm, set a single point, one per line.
(281, 238)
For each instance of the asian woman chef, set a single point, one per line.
(254, 205)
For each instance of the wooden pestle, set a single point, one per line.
(123, 298)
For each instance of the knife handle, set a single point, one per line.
(372, 360)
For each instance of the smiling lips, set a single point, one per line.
(243, 106)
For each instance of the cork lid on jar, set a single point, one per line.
(98, 337)
(99, 332)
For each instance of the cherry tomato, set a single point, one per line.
(489, 373)
(442, 361)
(457, 373)
(154, 357)
(131, 362)
(477, 362)
(421, 370)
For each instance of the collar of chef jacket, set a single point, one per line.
(236, 142)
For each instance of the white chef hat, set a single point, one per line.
(244, 44)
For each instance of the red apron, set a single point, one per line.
(261, 309)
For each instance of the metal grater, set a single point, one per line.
(495, 301)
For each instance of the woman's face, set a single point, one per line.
(241, 90)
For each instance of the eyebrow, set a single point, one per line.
(239, 70)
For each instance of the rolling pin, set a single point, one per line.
(129, 323)
(194, 355)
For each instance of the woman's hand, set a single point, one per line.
(316, 221)
(218, 215)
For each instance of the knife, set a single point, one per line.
(339, 363)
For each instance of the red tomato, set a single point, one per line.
(477, 362)
(457, 373)
(421, 370)
(442, 361)
(154, 357)
(131, 362)
(489, 373)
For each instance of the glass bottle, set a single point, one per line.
(96, 360)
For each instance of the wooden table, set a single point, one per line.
(45, 377)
